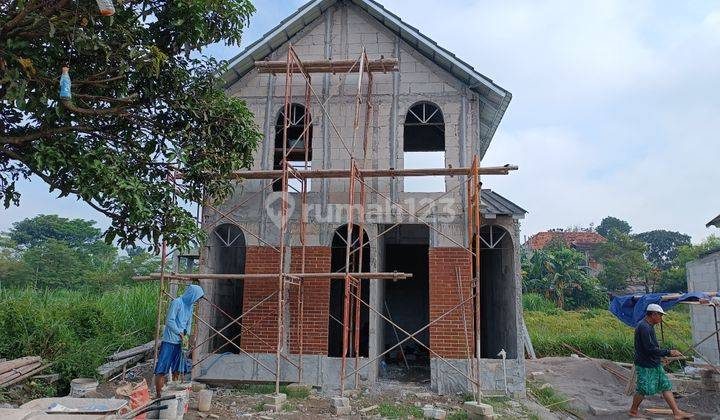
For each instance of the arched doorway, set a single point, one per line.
(498, 305)
(337, 290)
(227, 245)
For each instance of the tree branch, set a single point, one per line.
(85, 111)
(20, 140)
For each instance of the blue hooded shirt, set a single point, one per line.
(180, 313)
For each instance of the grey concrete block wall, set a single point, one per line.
(703, 275)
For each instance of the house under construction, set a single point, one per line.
(361, 245)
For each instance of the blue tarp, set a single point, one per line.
(631, 311)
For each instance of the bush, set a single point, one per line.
(75, 330)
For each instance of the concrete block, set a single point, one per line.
(296, 387)
(341, 406)
(274, 402)
(477, 410)
(275, 399)
(430, 412)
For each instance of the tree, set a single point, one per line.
(662, 246)
(31, 232)
(675, 279)
(54, 252)
(608, 224)
(557, 272)
(145, 107)
(623, 260)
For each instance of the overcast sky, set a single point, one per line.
(615, 110)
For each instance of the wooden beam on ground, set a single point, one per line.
(382, 65)
(111, 368)
(327, 276)
(141, 349)
(373, 173)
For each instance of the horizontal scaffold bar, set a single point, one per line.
(328, 276)
(374, 173)
(328, 66)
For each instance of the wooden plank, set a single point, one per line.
(19, 371)
(141, 349)
(16, 363)
(26, 376)
(111, 368)
(383, 65)
(528, 342)
(326, 276)
(373, 173)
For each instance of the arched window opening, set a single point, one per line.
(227, 245)
(296, 135)
(424, 146)
(337, 291)
(498, 320)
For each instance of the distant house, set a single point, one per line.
(586, 242)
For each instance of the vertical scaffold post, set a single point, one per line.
(476, 211)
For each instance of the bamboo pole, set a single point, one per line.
(375, 173)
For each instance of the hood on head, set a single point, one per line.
(192, 294)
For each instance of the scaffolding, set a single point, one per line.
(357, 176)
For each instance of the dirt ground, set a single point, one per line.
(598, 394)
(389, 399)
(581, 388)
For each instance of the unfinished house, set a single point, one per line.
(402, 303)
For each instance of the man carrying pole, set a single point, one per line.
(651, 377)
(175, 336)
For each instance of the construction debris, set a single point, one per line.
(18, 370)
(111, 368)
(126, 354)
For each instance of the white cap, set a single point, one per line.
(654, 307)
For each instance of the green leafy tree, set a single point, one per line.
(558, 273)
(675, 279)
(623, 261)
(662, 246)
(145, 106)
(608, 224)
(70, 254)
(31, 232)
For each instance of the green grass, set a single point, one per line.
(551, 399)
(269, 388)
(597, 333)
(457, 415)
(399, 411)
(75, 330)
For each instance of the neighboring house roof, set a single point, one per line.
(493, 204)
(492, 96)
(714, 222)
(581, 240)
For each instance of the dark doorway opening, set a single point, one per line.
(498, 323)
(337, 292)
(228, 248)
(406, 303)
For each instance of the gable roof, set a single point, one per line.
(494, 204)
(714, 222)
(492, 96)
(582, 240)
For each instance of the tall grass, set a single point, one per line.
(75, 330)
(597, 333)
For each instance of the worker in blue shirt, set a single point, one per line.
(177, 330)
(651, 377)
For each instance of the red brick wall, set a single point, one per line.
(261, 320)
(316, 294)
(447, 336)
